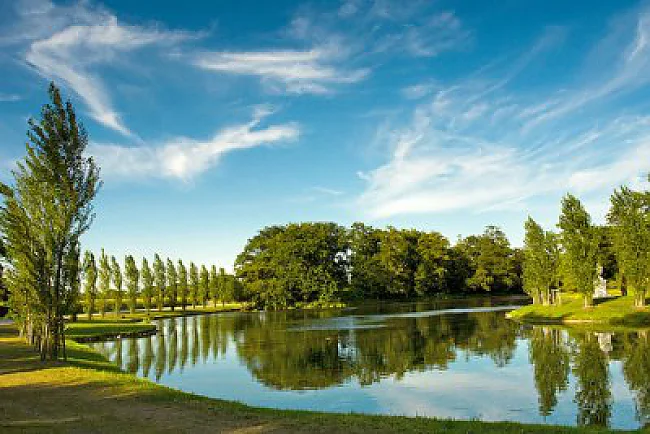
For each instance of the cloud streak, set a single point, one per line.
(185, 158)
(475, 145)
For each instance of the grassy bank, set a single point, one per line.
(615, 311)
(89, 394)
(135, 324)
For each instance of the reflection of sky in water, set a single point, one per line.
(471, 385)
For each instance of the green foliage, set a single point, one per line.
(132, 281)
(593, 392)
(630, 219)
(579, 241)
(172, 284)
(541, 262)
(431, 276)
(90, 274)
(204, 286)
(160, 278)
(282, 265)
(116, 275)
(42, 217)
(213, 284)
(182, 283)
(147, 284)
(104, 282)
(551, 366)
(194, 284)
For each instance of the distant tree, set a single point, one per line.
(182, 283)
(194, 284)
(629, 216)
(214, 285)
(147, 285)
(222, 286)
(90, 274)
(172, 283)
(204, 285)
(104, 282)
(541, 261)
(398, 256)
(132, 281)
(160, 278)
(433, 260)
(117, 281)
(367, 277)
(579, 245)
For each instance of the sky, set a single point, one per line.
(212, 121)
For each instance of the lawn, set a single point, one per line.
(89, 394)
(617, 311)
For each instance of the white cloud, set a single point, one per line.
(9, 97)
(475, 146)
(71, 42)
(185, 158)
(299, 72)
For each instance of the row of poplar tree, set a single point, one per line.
(163, 284)
(572, 258)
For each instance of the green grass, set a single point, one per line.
(89, 394)
(85, 329)
(616, 311)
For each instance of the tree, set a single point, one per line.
(132, 281)
(147, 285)
(104, 282)
(398, 256)
(629, 216)
(161, 280)
(90, 273)
(541, 259)
(579, 244)
(222, 286)
(42, 217)
(194, 284)
(367, 276)
(182, 283)
(172, 283)
(117, 281)
(204, 286)
(431, 273)
(213, 285)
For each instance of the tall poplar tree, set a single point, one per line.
(42, 217)
(90, 274)
(172, 283)
(161, 280)
(132, 281)
(194, 284)
(204, 285)
(580, 246)
(117, 281)
(629, 216)
(182, 283)
(147, 285)
(104, 282)
(213, 285)
(541, 259)
(222, 286)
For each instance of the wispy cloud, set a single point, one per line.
(68, 44)
(9, 97)
(185, 158)
(298, 72)
(476, 145)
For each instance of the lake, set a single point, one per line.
(460, 359)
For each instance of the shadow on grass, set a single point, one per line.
(602, 300)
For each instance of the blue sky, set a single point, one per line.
(214, 120)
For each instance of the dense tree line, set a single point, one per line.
(571, 259)
(167, 285)
(321, 262)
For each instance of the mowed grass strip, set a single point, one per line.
(615, 311)
(89, 394)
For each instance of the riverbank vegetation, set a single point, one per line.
(67, 394)
(579, 258)
(322, 262)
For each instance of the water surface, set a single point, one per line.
(446, 359)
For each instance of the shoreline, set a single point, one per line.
(87, 376)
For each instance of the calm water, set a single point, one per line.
(461, 361)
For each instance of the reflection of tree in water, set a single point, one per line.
(148, 356)
(133, 357)
(184, 343)
(636, 368)
(550, 358)
(593, 395)
(161, 355)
